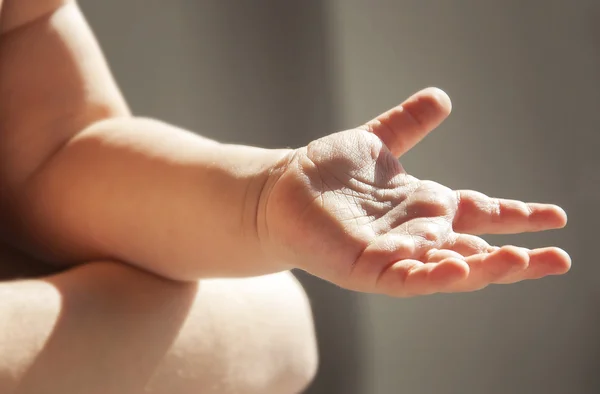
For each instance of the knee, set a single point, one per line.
(294, 341)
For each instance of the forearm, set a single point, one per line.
(141, 191)
(78, 188)
(107, 328)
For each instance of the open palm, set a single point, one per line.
(344, 209)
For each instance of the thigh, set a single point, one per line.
(106, 328)
(97, 328)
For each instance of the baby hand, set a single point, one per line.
(344, 209)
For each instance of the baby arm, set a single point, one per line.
(142, 191)
(98, 184)
(84, 180)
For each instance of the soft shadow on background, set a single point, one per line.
(525, 82)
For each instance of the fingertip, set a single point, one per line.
(562, 217)
(548, 216)
(565, 261)
(438, 98)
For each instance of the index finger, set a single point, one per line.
(479, 214)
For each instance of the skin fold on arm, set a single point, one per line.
(84, 180)
(104, 326)
(99, 184)
(60, 105)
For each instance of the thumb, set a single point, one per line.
(402, 127)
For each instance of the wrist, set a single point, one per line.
(265, 228)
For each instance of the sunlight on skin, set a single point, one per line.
(344, 209)
(105, 327)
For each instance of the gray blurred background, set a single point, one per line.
(525, 81)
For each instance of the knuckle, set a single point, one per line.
(495, 209)
(430, 204)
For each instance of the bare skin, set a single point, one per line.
(82, 175)
(341, 208)
(108, 328)
(105, 326)
(344, 209)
